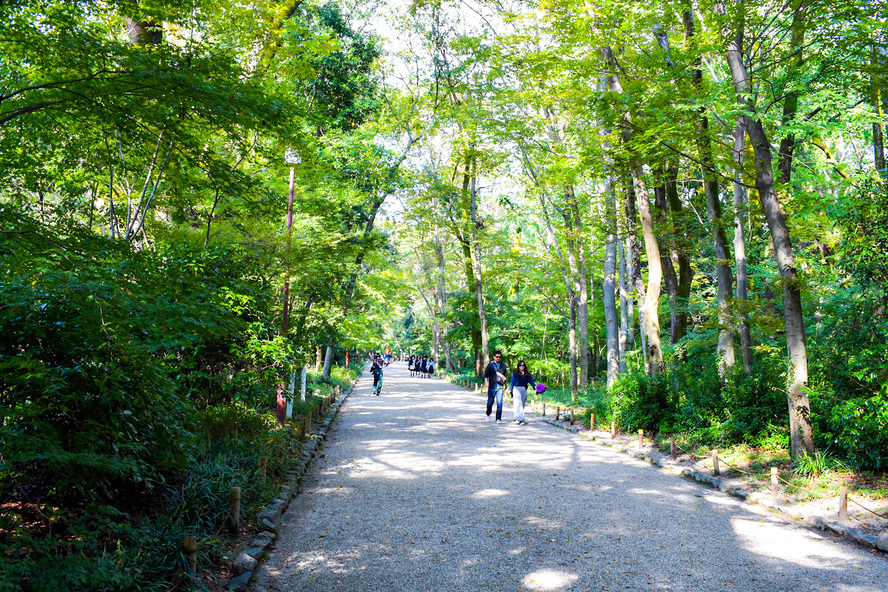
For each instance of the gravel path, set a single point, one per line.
(417, 493)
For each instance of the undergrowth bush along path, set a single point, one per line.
(416, 492)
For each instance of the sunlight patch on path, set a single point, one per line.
(548, 579)
(485, 493)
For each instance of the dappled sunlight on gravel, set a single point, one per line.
(548, 579)
(416, 492)
(761, 538)
(544, 523)
(485, 493)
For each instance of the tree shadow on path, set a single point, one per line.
(416, 492)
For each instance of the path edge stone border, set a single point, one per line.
(270, 518)
(808, 519)
(799, 515)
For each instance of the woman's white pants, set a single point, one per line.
(519, 399)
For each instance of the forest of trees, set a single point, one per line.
(675, 207)
(677, 211)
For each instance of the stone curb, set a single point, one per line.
(805, 517)
(270, 518)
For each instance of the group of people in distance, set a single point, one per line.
(422, 367)
(495, 377)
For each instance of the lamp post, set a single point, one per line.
(284, 408)
(292, 158)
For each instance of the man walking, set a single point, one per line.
(495, 382)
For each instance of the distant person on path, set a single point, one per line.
(376, 370)
(410, 363)
(430, 368)
(495, 382)
(518, 387)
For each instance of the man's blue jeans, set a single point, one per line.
(495, 393)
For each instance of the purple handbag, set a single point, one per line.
(541, 388)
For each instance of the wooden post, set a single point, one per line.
(557, 413)
(571, 417)
(672, 451)
(613, 429)
(263, 466)
(189, 546)
(775, 473)
(715, 467)
(843, 502)
(640, 439)
(234, 511)
(591, 421)
(544, 409)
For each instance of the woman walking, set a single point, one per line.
(518, 387)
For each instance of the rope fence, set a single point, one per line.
(569, 413)
(776, 475)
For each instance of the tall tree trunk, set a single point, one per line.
(634, 281)
(328, 362)
(877, 66)
(479, 283)
(582, 317)
(467, 244)
(579, 354)
(650, 306)
(577, 259)
(572, 338)
(571, 296)
(724, 283)
(682, 257)
(667, 251)
(611, 320)
(801, 432)
(471, 281)
(436, 340)
(648, 311)
(878, 137)
(442, 297)
(740, 246)
(581, 282)
(634, 262)
(791, 102)
(625, 302)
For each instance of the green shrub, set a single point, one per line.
(818, 463)
(859, 430)
(232, 422)
(638, 401)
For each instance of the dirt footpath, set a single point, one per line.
(417, 493)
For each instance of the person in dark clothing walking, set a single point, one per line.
(376, 370)
(495, 382)
(518, 387)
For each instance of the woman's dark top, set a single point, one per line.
(521, 380)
